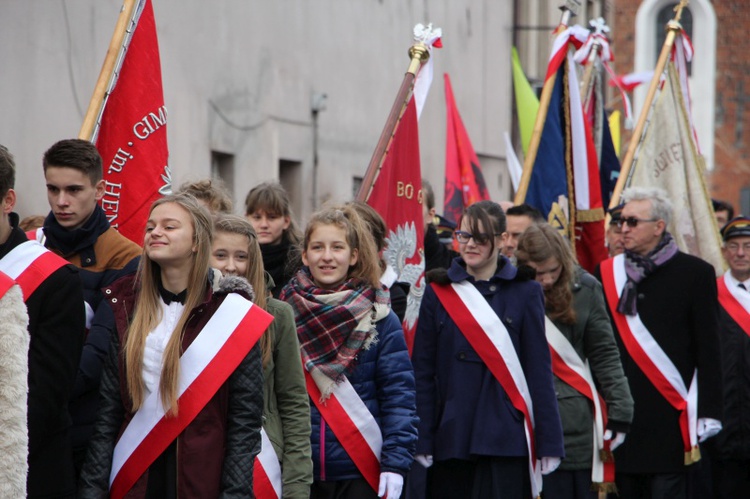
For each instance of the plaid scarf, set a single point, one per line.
(638, 267)
(333, 326)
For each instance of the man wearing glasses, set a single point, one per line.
(730, 450)
(663, 305)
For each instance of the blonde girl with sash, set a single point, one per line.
(286, 407)
(178, 324)
(357, 368)
(586, 364)
(488, 419)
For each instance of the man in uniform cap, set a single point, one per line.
(730, 450)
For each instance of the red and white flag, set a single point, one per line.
(132, 130)
(397, 195)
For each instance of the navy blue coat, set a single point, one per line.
(464, 411)
(384, 380)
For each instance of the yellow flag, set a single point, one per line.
(614, 130)
(527, 103)
(668, 158)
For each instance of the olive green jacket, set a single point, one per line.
(286, 406)
(591, 336)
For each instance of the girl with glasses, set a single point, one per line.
(481, 432)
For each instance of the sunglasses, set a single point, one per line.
(480, 239)
(633, 222)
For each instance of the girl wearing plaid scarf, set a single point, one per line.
(346, 329)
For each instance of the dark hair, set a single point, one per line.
(428, 195)
(478, 213)
(494, 210)
(75, 153)
(7, 171)
(212, 191)
(538, 243)
(526, 210)
(272, 198)
(720, 205)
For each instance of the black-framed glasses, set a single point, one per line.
(633, 222)
(480, 239)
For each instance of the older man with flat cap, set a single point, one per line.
(730, 450)
(664, 309)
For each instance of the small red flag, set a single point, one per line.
(396, 195)
(132, 138)
(464, 182)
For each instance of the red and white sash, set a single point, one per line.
(490, 339)
(575, 372)
(266, 470)
(5, 283)
(29, 264)
(353, 424)
(652, 360)
(211, 358)
(36, 235)
(735, 301)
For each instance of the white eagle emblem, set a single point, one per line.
(402, 246)
(166, 189)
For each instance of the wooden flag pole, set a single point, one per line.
(541, 116)
(108, 67)
(673, 27)
(418, 54)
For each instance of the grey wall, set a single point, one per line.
(239, 77)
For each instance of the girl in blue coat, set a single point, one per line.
(349, 337)
(469, 428)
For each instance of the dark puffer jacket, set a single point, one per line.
(215, 452)
(384, 380)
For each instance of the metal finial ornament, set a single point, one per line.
(424, 37)
(425, 34)
(599, 25)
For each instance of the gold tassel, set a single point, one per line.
(692, 456)
(606, 456)
(605, 487)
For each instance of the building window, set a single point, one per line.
(699, 21)
(290, 178)
(222, 167)
(356, 184)
(666, 14)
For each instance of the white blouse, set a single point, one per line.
(156, 342)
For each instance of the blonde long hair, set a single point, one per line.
(358, 237)
(255, 275)
(148, 312)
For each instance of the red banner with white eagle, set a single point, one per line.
(396, 195)
(396, 192)
(132, 135)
